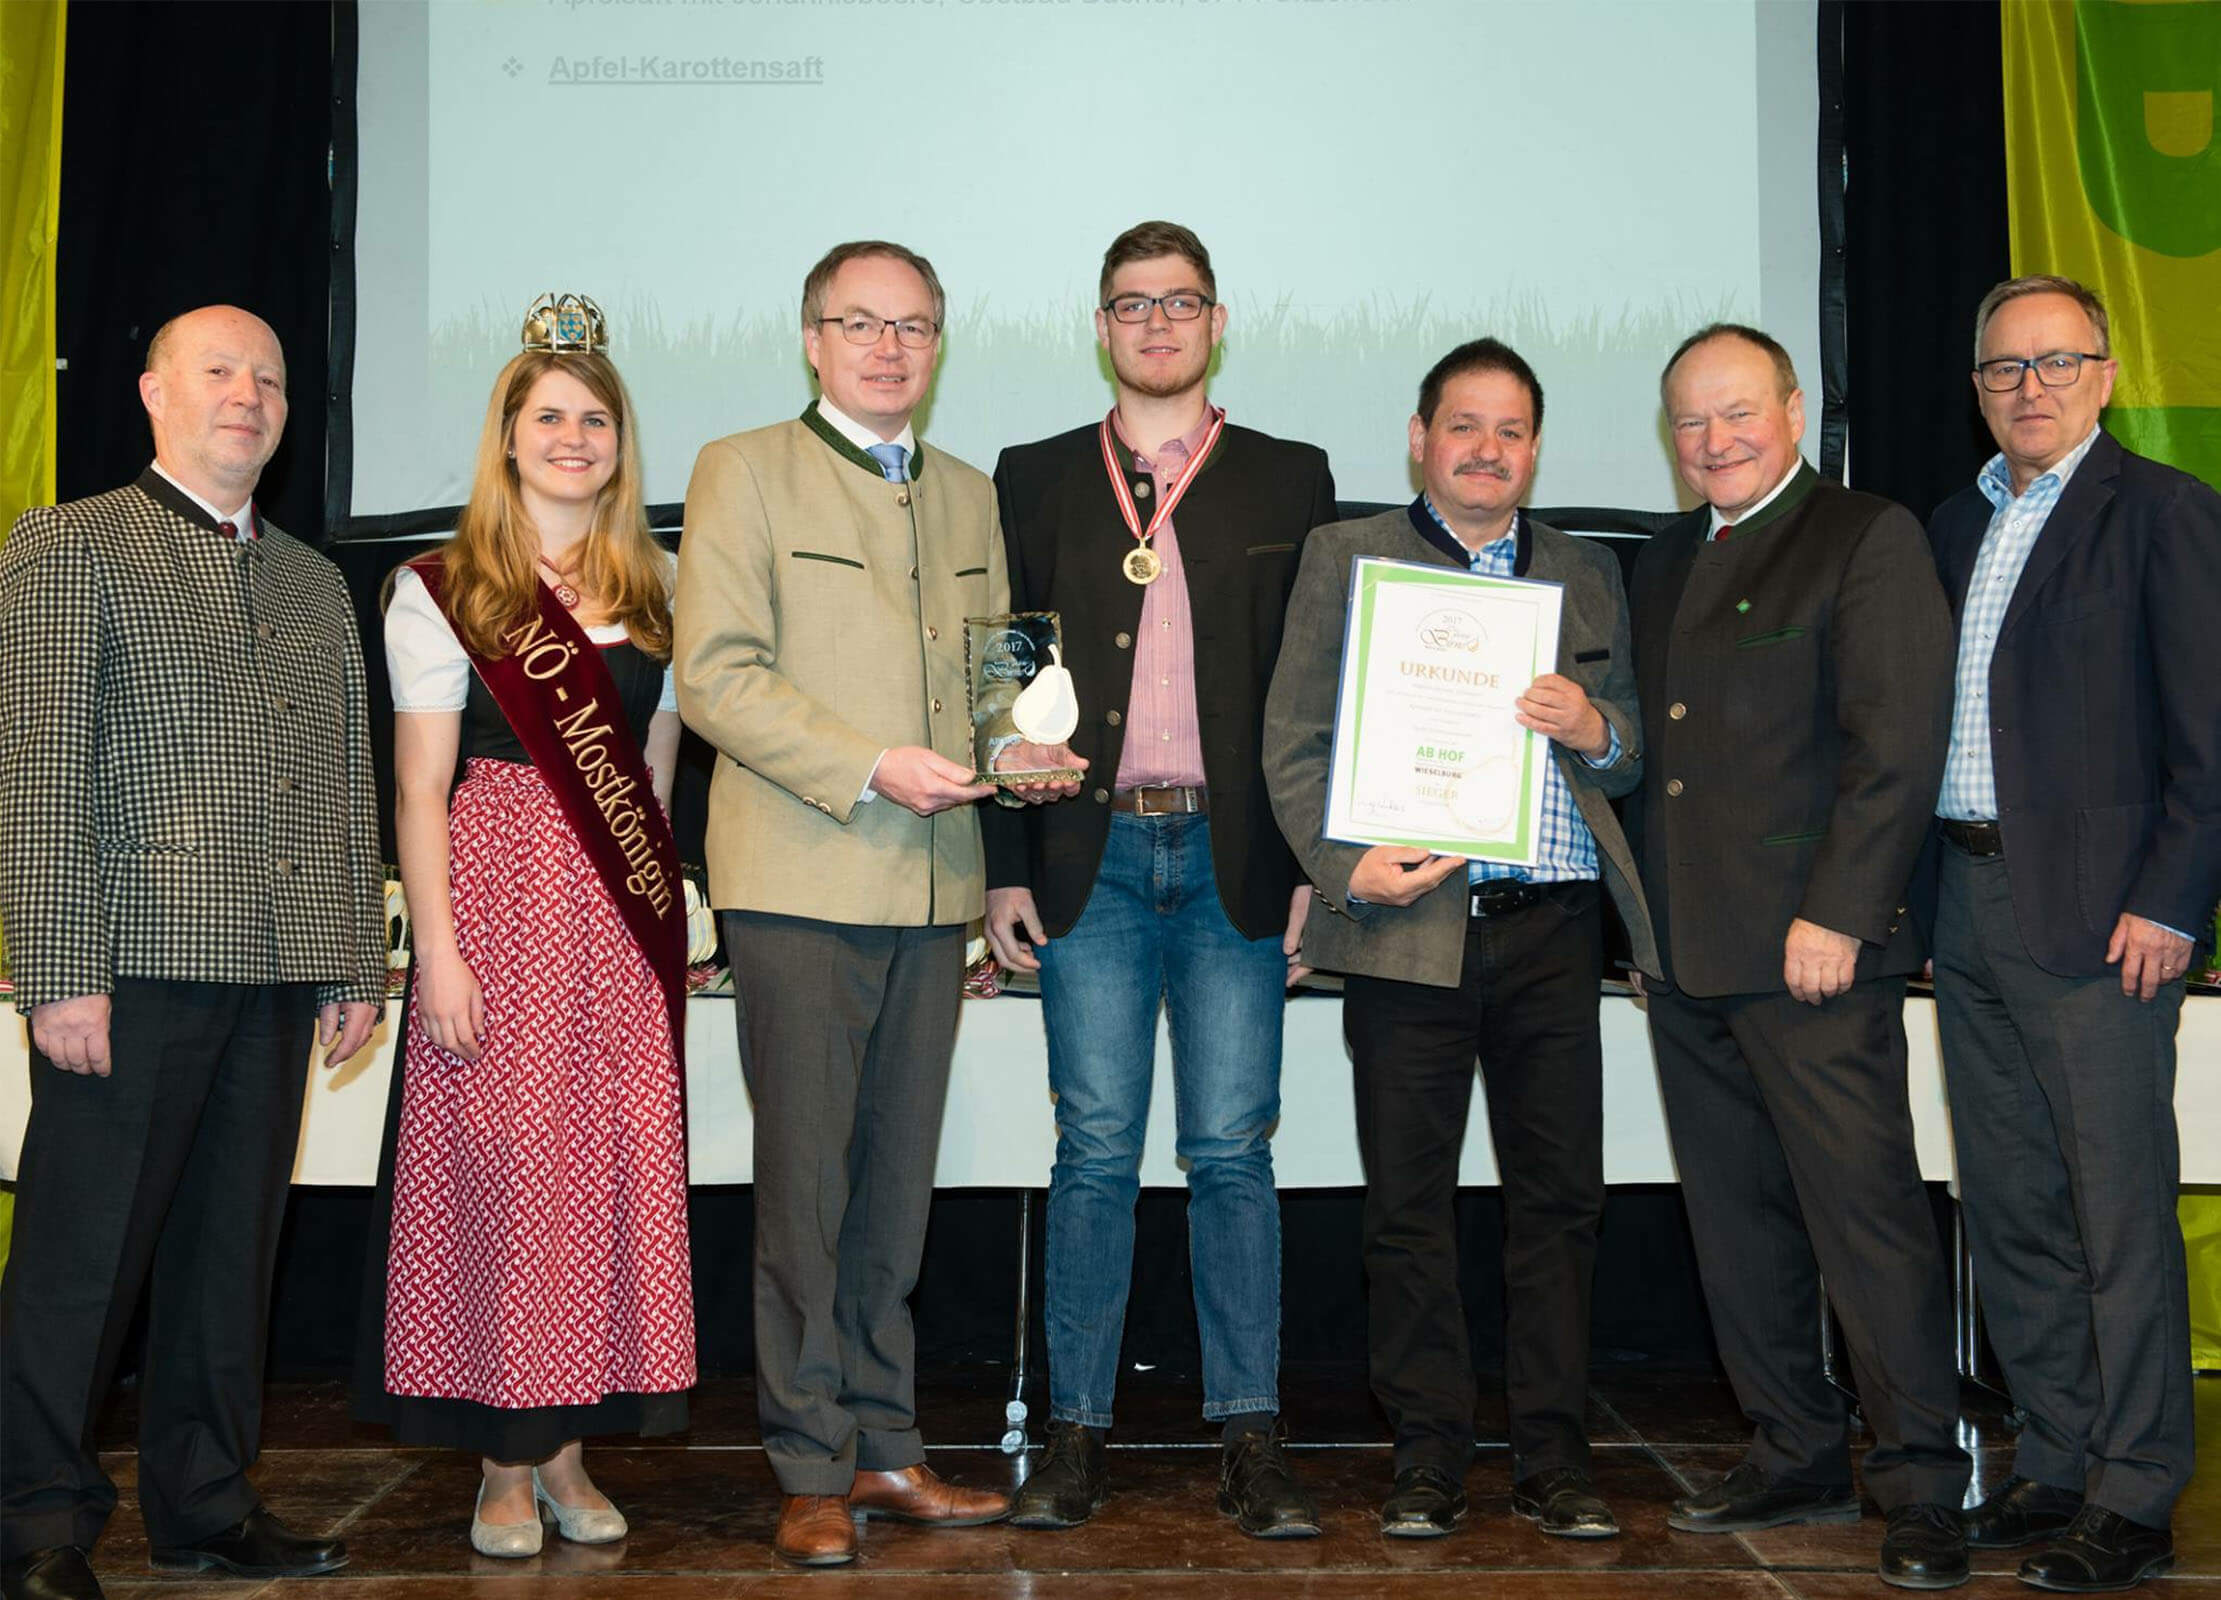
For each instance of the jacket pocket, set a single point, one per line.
(1758, 641)
(1811, 836)
(1581, 657)
(1269, 549)
(2110, 845)
(969, 572)
(815, 555)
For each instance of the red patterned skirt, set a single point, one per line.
(538, 1252)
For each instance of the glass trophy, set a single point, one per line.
(1021, 696)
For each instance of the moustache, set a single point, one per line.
(1481, 469)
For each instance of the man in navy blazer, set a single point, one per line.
(2077, 860)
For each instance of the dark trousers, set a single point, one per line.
(1794, 1140)
(845, 1039)
(2063, 1114)
(169, 1176)
(1526, 1007)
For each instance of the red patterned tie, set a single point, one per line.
(1723, 531)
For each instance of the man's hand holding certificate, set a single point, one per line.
(1446, 709)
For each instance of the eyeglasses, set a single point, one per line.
(859, 327)
(1184, 306)
(2054, 371)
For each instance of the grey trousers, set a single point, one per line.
(2063, 1113)
(845, 1037)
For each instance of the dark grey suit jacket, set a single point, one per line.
(1425, 942)
(1796, 683)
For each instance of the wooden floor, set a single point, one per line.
(702, 1509)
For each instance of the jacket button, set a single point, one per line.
(913, 574)
(809, 799)
(936, 703)
(1141, 491)
(902, 497)
(1102, 797)
(1124, 641)
(285, 865)
(285, 786)
(280, 704)
(932, 632)
(1677, 711)
(1673, 786)
(263, 630)
(1113, 718)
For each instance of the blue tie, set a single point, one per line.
(890, 458)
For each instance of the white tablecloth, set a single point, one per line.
(998, 1132)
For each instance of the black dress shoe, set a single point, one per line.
(1562, 1501)
(1258, 1489)
(259, 1546)
(1071, 1483)
(1750, 1498)
(2021, 1513)
(1426, 1503)
(1925, 1548)
(2100, 1551)
(62, 1572)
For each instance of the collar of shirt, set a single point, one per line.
(859, 435)
(1995, 480)
(242, 519)
(1189, 442)
(1438, 533)
(1750, 511)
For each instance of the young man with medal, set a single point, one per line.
(1167, 540)
(824, 578)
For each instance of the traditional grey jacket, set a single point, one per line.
(185, 775)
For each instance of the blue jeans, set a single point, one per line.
(1153, 932)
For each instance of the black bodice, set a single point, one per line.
(639, 676)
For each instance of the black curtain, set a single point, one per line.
(195, 169)
(1924, 238)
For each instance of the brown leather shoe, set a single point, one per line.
(918, 1494)
(815, 1530)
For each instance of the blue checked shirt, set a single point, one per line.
(1566, 850)
(1969, 777)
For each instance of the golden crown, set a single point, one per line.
(565, 325)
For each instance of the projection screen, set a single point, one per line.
(1377, 180)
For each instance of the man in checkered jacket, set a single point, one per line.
(190, 883)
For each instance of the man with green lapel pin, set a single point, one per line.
(1793, 653)
(825, 573)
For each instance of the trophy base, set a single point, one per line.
(1011, 780)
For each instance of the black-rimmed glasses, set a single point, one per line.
(860, 327)
(1183, 306)
(2056, 370)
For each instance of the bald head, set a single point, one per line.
(214, 389)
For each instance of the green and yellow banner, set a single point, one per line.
(2113, 178)
(30, 218)
(31, 37)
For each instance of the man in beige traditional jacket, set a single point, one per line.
(825, 573)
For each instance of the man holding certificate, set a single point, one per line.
(1794, 652)
(1482, 711)
(1165, 538)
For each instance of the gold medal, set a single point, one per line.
(1143, 565)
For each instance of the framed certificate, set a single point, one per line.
(1426, 751)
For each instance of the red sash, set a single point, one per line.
(558, 695)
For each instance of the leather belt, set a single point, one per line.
(1162, 800)
(1975, 838)
(1499, 895)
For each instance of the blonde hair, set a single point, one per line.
(492, 584)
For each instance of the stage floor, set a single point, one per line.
(702, 1509)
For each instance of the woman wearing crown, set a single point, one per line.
(534, 1286)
